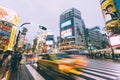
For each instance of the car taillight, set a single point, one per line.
(65, 67)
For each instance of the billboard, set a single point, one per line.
(114, 40)
(66, 33)
(49, 42)
(9, 15)
(110, 14)
(5, 33)
(67, 23)
(12, 38)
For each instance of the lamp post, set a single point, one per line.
(17, 39)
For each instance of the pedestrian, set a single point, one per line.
(19, 58)
(1, 56)
(14, 61)
(6, 63)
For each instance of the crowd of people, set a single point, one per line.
(9, 62)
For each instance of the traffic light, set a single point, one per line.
(42, 27)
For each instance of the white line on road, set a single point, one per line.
(35, 74)
(91, 76)
(115, 74)
(100, 74)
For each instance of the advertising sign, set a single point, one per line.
(12, 38)
(114, 40)
(5, 32)
(110, 14)
(9, 16)
(66, 33)
(67, 23)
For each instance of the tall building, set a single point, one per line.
(95, 37)
(72, 27)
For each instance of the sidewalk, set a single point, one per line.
(21, 74)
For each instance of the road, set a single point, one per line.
(96, 70)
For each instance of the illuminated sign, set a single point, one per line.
(9, 16)
(115, 40)
(49, 42)
(110, 14)
(67, 23)
(66, 33)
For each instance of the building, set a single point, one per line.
(50, 41)
(72, 28)
(95, 38)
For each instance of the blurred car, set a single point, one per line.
(62, 62)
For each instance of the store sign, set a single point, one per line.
(9, 16)
(66, 33)
(114, 40)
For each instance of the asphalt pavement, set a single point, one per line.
(96, 70)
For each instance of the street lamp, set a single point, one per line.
(17, 39)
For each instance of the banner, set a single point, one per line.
(9, 16)
(12, 38)
(110, 14)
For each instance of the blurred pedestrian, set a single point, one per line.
(19, 58)
(6, 63)
(14, 61)
(1, 56)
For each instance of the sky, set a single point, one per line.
(47, 13)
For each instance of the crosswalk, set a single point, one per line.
(96, 70)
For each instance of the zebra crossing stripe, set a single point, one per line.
(102, 71)
(100, 74)
(107, 65)
(93, 77)
(105, 69)
(35, 74)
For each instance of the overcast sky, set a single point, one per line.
(47, 13)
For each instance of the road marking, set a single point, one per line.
(91, 76)
(35, 74)
(102, 68)
(115, 74)
(100, 74)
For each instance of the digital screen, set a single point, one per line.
(67, 23)
(49, 42)
(115, 40)
(66, 33)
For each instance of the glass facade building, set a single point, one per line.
(72, 27)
